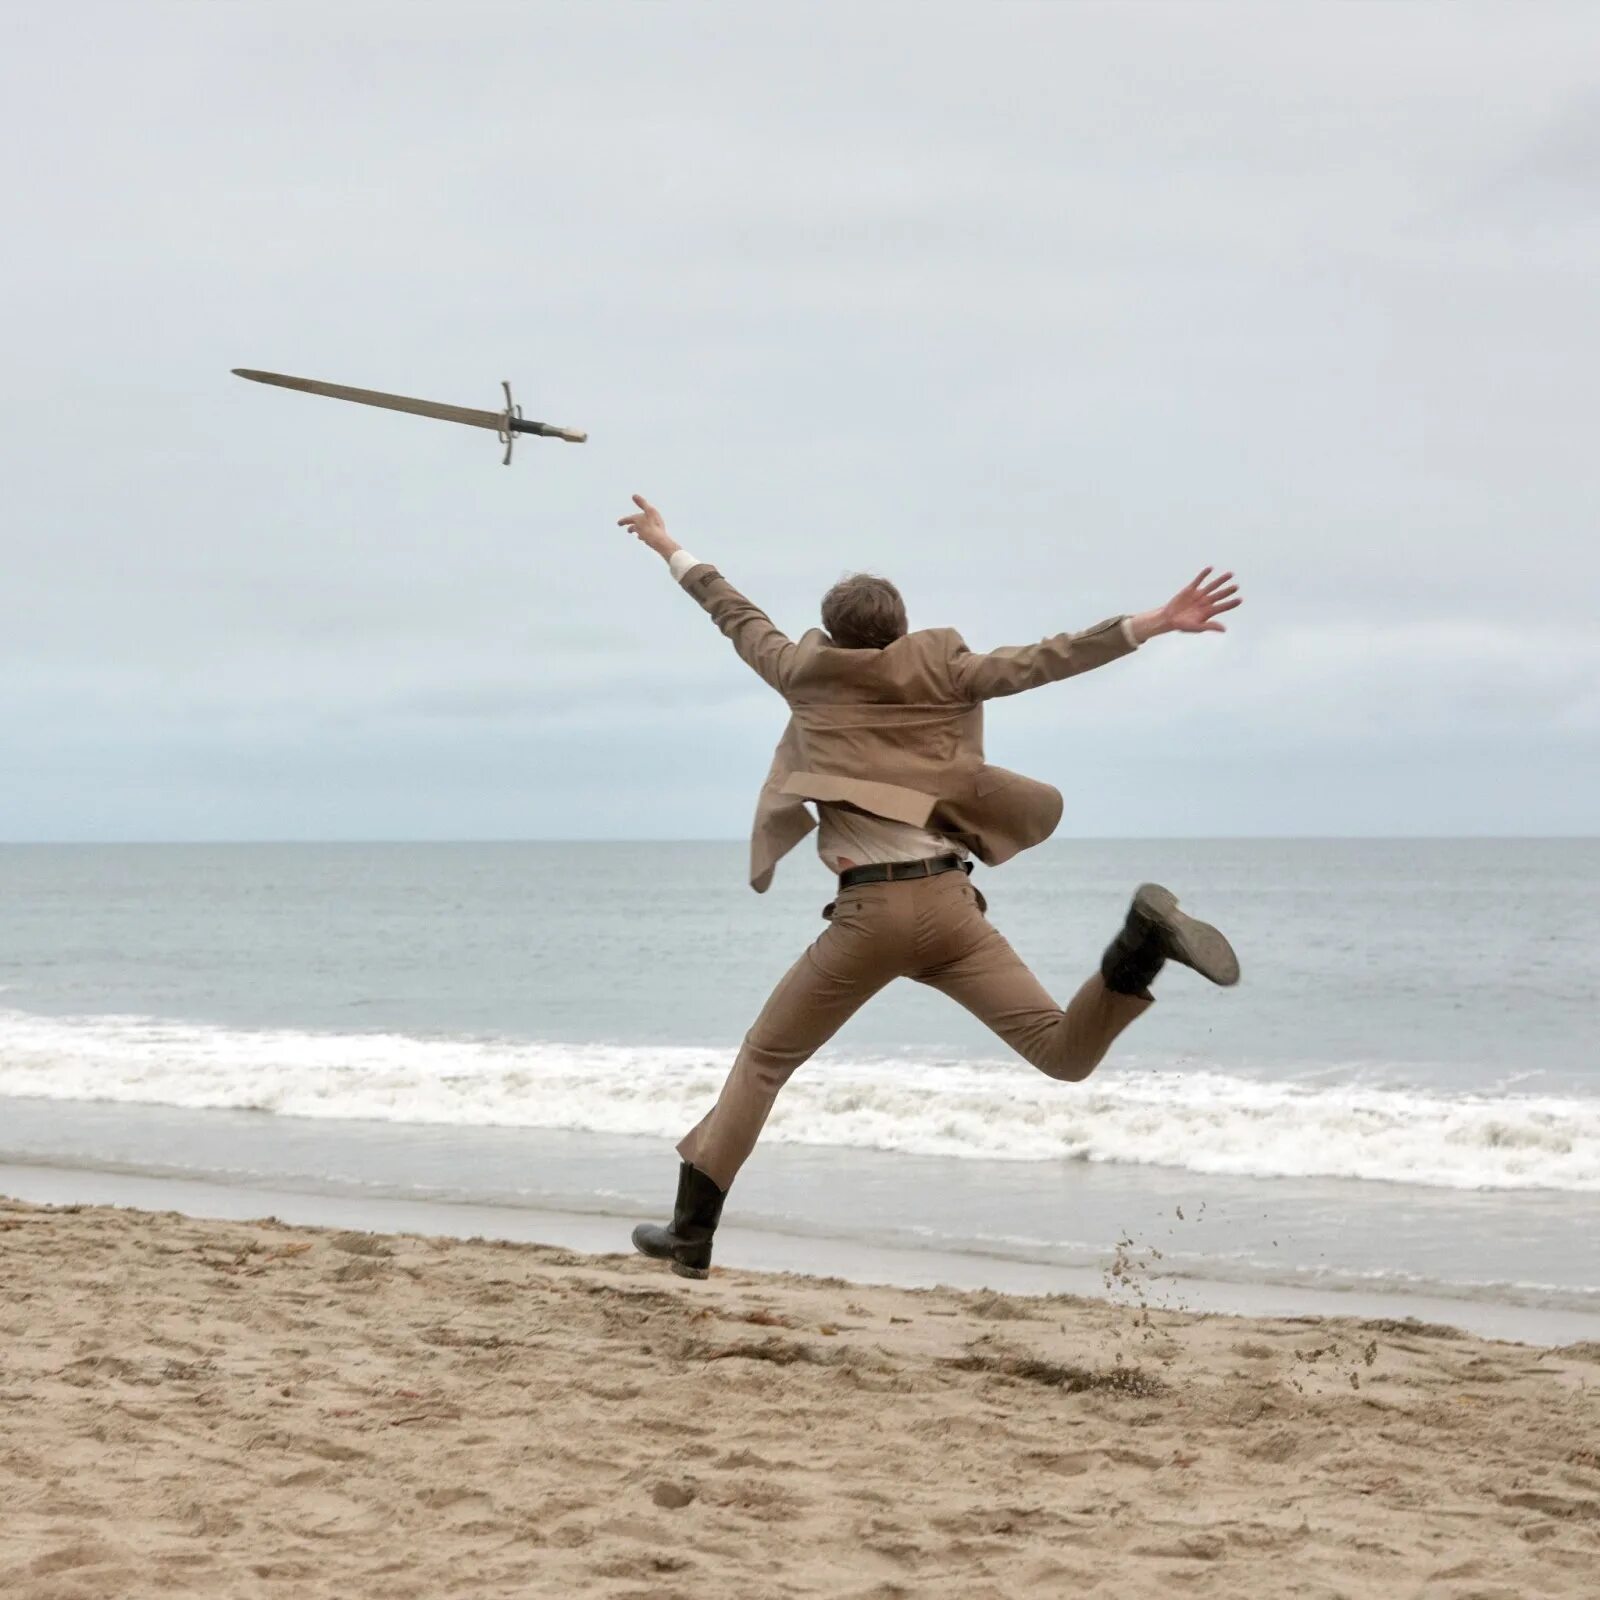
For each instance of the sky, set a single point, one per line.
(1036, 308)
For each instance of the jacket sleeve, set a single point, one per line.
(761, 646)
(1014, 668)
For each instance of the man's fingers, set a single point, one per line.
(1227, 605)
(1217, 583)
(1213, 627)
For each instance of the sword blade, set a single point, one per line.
(494, 420)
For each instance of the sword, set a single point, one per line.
(506, 424)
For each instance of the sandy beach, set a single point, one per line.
(240, 1408)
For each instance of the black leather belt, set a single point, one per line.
(894, 871)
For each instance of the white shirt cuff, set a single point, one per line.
(1127, 632)
(679, 563)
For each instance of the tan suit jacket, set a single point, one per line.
(897, 731)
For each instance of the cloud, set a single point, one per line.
(1035, 307)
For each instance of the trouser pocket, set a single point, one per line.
(844, 906)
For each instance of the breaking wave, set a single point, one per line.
(1198, 1119)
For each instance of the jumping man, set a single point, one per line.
(885, 739)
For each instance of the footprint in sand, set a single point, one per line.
(80, 1553)
(672, 1496)
(460, 1500)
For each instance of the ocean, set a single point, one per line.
(1403, 1094)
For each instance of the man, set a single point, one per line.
(885, 738)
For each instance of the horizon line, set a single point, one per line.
(1107, 838)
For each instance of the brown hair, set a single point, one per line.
(863, 612)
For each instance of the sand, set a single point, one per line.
(248, 1408)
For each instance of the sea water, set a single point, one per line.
(1404, 1091)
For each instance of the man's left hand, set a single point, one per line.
(1193, 609)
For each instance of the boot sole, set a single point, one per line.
(1193, 942)
(690, 1272)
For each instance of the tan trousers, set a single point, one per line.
(929, 929)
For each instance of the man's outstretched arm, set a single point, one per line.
(1194, 609)
(761, 646)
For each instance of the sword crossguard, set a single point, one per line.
(507, 435)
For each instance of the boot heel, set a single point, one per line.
(685, 1244)
(1155, 901)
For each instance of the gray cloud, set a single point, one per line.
(1036, 307)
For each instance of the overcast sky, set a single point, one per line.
(1035, 308)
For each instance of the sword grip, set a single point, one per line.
(547, 430)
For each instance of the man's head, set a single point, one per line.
(863, 612)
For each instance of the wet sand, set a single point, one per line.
(807, 1254)
(241, 1408)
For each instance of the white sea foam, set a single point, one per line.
(1202, 1120)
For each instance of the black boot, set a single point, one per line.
(687, 1242)
(1157, 932)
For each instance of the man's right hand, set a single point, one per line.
(647, 527)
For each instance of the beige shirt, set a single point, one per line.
(859, 839)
